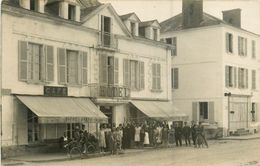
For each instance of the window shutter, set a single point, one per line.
(79, 73)
(245, 46)
(137, 64)
(239, 45)
(211, 112)
(246, 70)
(141, 75)
(158, 76)
(253, 49)
(227, 76)
(23, 60)
(195, 111)
(126, 71)
(84, 68)
(154, 76)
(172, 77)
(227, 42)
(49, 64)
(235, 76)
(103, 69)
(62, 66)
(176, 78)
(116, 71)
(174, 42)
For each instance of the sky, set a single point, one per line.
(164, 9)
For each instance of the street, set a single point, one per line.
(220, 153)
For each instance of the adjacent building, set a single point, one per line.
(215, 69)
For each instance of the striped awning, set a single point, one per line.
(160, 110)
(63, 109)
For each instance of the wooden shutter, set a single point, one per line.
(137, 75)
(141, 75)
(211, 112)
(126, 71)
(239, 45)
(227, 42)
(227, 75)
(195, 111)
(23, 60)
(103, 72)
(49, 63)
(172, 77)
(158, 76)
(84, 68)
(253, 79)
(154, 76)
(176, 78)
(245, 46)
(235, 76)
(174, 43)
(116, 68)
(253, 49)
(246, 70)
(79, 56)
(62, 66)
(43, 69)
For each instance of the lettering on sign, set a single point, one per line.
(55, 91)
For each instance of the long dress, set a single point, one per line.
(146, 138)
(102, 139)
(137, 134)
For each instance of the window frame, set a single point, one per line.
(203, 110)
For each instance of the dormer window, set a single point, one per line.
(155, 36)
(71, 12)
(132, 28)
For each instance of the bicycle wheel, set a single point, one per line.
(91, 149)
(75, 152)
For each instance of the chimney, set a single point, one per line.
(192, 13)
(233, 17)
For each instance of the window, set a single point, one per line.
(253, 49)
(71, 12)
(108, 69)
(242, 46)
(173, 42)
(35, 62)
(175, 78)
(33, 127)
(156, 76)
(134, 74)
(142, 31)
(242, 78)
(106, 31)
(229, 43)
(253, 112)
(132, 24)
(72, 67)
(155, 36)
(203, 108)
(231, 76)
(253, 79)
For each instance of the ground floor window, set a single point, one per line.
(203, 108)
(33, 127)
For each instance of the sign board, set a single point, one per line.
(55, 91)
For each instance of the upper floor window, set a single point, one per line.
(106, 31)
(175, 78)
(253, 49)
(242, 78)
(72, 67)
(71, 12)
(133, 28)
(242, 46)
(231, 76)
(108, 69)
(253, 79)
(133, 74)
(156, 76)
(35, 62)
(155, 35)
(172, 41)
(229, 43)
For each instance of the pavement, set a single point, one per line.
(53, 157)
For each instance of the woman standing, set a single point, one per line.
(146, 136)
(102, 139)
(137, 135)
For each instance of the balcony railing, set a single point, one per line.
(109, 91)
(107, 40)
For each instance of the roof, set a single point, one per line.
(148, 23)
(87, 10)
(175, 23)
(126, 16)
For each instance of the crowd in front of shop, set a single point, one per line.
(130, 135)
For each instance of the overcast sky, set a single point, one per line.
(163, 9)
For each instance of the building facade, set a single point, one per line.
(215, 69)
(67, 63)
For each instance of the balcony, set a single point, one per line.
(107, 41)
(109, 91)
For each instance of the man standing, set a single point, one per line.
(178, 134)
(201, 135)
(193, 132)
(186, 133)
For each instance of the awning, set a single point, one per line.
(160, 110)
(63, 109)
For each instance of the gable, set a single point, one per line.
(93, 20)
(133, 17)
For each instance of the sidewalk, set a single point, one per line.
(244, 137)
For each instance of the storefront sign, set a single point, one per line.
(120, 92)
(55, 91)
(54, 120)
